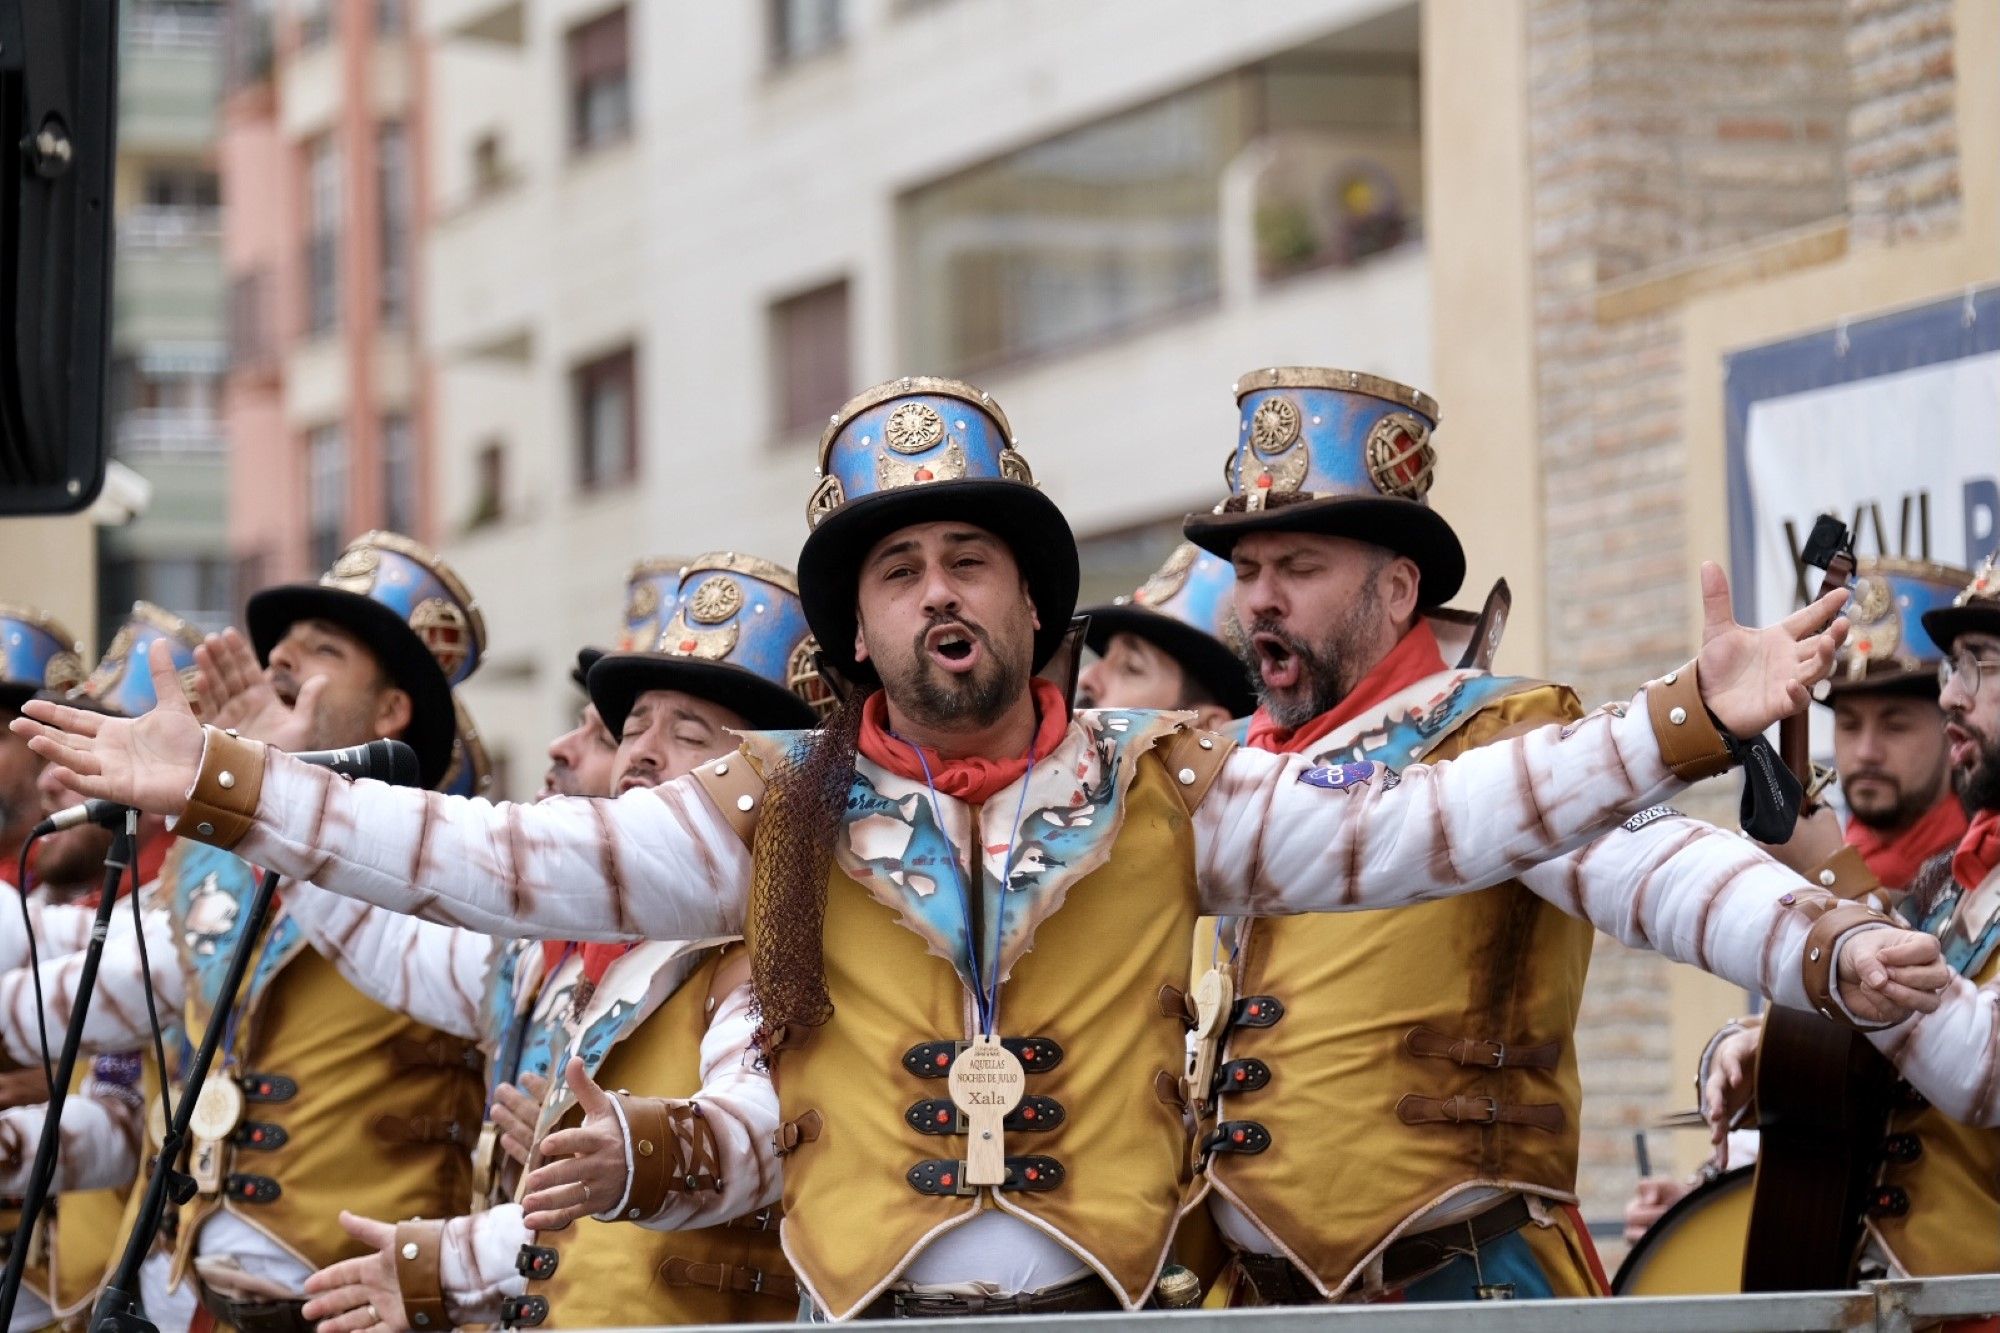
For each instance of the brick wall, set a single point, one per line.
(1660, 134)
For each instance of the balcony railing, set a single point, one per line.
(168, 431)
(156, 228)
(164, 23)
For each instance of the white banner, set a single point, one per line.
(1910, 460)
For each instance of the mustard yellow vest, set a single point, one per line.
(1092, 984)
(1344, 1169)
(1949, 1191)
(610, 1274)
(380, 1118)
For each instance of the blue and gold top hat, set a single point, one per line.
(36, 654)
(1340, 453)
(1974, 609)
(1887, 646)
(649, 595)
(734, 633)
(471, 771)
(923, 450)
(412, 612)
(1187, 610)
(123, 680)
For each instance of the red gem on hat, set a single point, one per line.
(1264, 481)
(924, 474)
(688, 645)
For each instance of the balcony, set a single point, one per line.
(168, 433)
(169, 277)
(481, 294)
(475, 20)
(170, 77)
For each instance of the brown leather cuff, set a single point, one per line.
(658, 1168)
(1831, 918)
(420, 1272)
(737, 789)
(1845, 875)
(223, 805)
(1194, 758)
(1689, 742)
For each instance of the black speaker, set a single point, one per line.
(58, 142)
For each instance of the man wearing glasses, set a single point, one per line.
(1936, 1206)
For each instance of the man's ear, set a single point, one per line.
(1401, 586)
(860, 638)
(393, 713)
(1034, 612)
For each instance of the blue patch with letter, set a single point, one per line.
(1340, 777)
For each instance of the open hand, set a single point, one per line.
(583, 1169)
(516, 1111)
(1732, 1075)
(1885, 974)
(236, 694)
(1750, 678)
(149, 762)
(359, 1295)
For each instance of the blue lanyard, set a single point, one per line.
(1215, 949)
(985, 990)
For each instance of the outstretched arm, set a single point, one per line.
(435, 974)
(117, 1020)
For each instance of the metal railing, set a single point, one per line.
(1886, 1307)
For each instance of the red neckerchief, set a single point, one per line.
(974, 778)
(598, 956)
(1894, 857)
(1415, 656)
(1978, 851)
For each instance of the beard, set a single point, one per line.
(1901, 809)
(957, 701)
(1328, 670)
(70, 862)
(1978, 786)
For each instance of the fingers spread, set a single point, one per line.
(61, 717)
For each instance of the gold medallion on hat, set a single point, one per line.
(1400, 457)
(680, 639)
(65, 670)
(355, 570)
(1874, 629)
(803, 678)
(1170, 578)
(1274, 426)
(828, 496)
(641, 603)
(442, 627)
(893, 474)
(715, 600)
(218, 1110)
(913, 428)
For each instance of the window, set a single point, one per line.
(326, 494)
(391, 17)
(322, 235)
(252, 324)
(181, 187)
(399, 475)
(607, 412)
(247, 39)
(489, 165)
(392, 177)
(801, 29)
(1116, 224)
(600, 81)
(809, 356)
(489, 498)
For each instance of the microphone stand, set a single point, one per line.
(123, 847)
(118, 1308)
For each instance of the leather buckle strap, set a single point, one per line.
(1243, 1136)
(746, 1281)
(802, 1129)
(416, 1129)
(1464, 1110)
(268, 1088)
(246, 1188)
(945, 1175)
(940, 1115)
(1480, 1052)
(537, 1263)
(439, 1052)
(1241, 1076)
(932, 1059)
(262, 1316)
(1411, 1257)
(1077, 1296)
(524, 1311)
(1256, 1011)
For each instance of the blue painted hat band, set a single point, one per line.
(1885, 616)
(745, 611)
(413, 582)
(36, 652)
(650, 592)
(123, 679)
(909, 432)
(1195, 588)
(1318, 433)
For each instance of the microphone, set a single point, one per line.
(384, 760)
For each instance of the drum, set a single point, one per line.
(1696, 1248)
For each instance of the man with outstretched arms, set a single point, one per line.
(670, 1019)
(1936, 1205)
(79, 1232)
(1005, 1018)
(1169, 645)
(1441, 1036)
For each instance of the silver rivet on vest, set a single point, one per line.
(1208, 742)
(1186, 776)
(631, 1213)
(1677, 715)
(744, 803)
(1815, 955)
(206, 829)
(1670, 677)
(410, 1250)
(225, 779)
(1826, 877)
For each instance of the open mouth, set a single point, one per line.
(1277, 665)
(285, 688)
(1964, 745)
(638, 778)
(953, 647)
